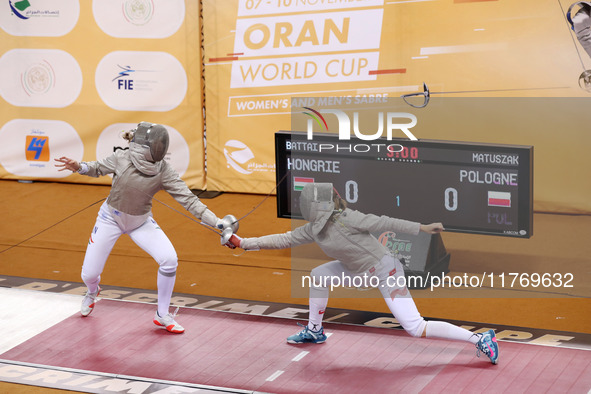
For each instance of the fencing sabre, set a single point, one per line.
(229, 223)
(53, 225)
(426, 93)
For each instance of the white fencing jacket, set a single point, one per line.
(132, 190)
(345, 237)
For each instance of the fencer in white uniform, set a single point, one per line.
(138, 174)
(345, 235)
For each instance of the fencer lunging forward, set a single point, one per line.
(138, 173)
(345, 235)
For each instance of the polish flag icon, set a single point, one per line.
(499, 199)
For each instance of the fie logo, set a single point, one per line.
(37, 148)
(345, 124)
(122, 82)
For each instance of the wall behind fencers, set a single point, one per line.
(74, 74)
(259, 55)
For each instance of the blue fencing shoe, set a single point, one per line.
(307, 336)
(488, 345)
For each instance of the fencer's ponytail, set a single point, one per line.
(128, 135)
(339, 203)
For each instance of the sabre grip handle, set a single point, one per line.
(234, 242)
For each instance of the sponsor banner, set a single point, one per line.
(261, 55)
(141, 81)
(301, 70)
(139, 18)
(275, 104)
(38, 18)
(109, 65)
(260, 7)
(322, 32)
(29, 146)
(39, 78)
(241, 159)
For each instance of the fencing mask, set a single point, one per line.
(316, 204)
(153, 138)
(581, 23)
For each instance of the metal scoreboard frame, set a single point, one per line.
(474, 188)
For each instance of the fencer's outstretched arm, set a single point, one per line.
(433, 228)
(178, 189)
(373, 223)
(298, 236)
(67, 164)
(92, 168)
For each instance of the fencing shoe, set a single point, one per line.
(307, 336)
(488, 345)
(88, 302)
(169, 323)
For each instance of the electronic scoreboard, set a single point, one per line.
(469, 187)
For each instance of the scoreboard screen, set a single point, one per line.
(469, 187)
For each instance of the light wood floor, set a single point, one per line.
(560, 245)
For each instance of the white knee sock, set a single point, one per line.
(441, 329)
(317, 307)
(165, 287)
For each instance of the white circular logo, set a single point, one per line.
(139, 18)
(29, 147)
(238, 155)
(141, 81)
(54, 18)
(38, 78)
(138, 12)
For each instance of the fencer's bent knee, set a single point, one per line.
(317, 272)
(415, 327)
(318, 278)
(88, 276)
(168, 265)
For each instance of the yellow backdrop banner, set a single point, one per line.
(74, 74)
(260, 55)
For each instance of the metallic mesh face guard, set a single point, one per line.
(155, 138)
